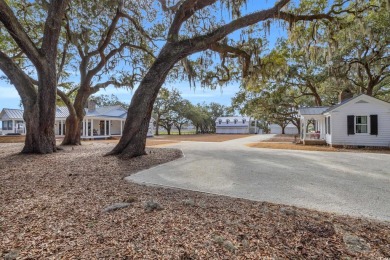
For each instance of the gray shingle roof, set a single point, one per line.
(312, 110)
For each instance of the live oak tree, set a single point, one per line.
(352, 54)
(102, 37)
(361, 51)
(38, 96)
(184, 39)
(318, 61)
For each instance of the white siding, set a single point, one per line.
(115, 127)
(150, 129)
(231, 130)
(232, 125)
(339, 134)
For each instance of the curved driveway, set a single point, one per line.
(356, 184)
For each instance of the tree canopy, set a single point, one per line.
(146, 43)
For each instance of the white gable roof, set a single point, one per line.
(362, 98)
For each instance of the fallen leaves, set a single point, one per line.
(51, 207)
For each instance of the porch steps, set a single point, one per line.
(313, 142)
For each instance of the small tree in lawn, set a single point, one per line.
(164, 108)
(181, 114)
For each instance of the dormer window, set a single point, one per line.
(243, 121)
(235, 121)
(227, 121)
(220, 121)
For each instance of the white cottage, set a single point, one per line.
(99, 122)
(359, 121)
(12, 121)
(236, 125)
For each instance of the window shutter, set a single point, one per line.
(374, 124)
(351, 125)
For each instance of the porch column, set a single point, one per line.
(256, 132)
(105, 127)
(121, 127)
(91, 127)
(86, 128)
(83, 127)
(109, 127)
(13, 126)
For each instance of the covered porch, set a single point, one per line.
(94, 128)
(313, 129)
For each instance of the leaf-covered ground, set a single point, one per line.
(51, 206)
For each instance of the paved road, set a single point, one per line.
(356, 184)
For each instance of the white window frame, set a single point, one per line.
(360, 124)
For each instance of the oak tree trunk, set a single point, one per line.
(44, 140)
(73, 131)
(133, 140)
(157, 124)
(75, 119)
(39, 112)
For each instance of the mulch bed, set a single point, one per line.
(52, 206)
(287, 142)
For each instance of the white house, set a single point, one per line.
(290, 129)
(236, 125)
(12, 121)
(99, 122)
(359, 121)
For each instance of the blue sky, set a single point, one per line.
(9, 97)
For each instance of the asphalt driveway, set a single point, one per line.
(356, 184)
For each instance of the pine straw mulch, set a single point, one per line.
(51, 207)
(287, 142)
